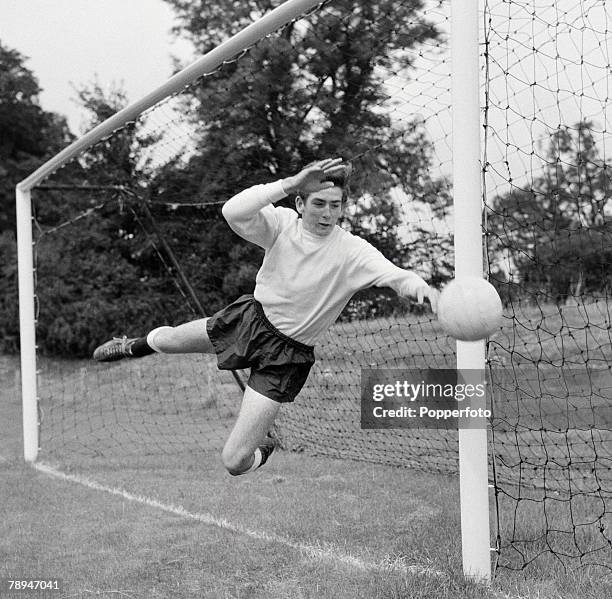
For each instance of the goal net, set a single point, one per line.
(546, 176)
(128, 235)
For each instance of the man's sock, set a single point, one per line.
(145, 346)
(139, 348)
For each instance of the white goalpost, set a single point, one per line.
(467, 192)
(467, 198)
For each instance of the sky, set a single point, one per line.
(71, 42)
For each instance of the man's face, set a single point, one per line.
(320, 210)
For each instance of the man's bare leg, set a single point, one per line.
(246, 448)
(241, 453)
(188, 338)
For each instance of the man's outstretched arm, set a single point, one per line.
(374, 270)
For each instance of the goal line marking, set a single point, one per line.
(324, 551)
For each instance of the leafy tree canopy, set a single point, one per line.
(554, 232)
(28, 134)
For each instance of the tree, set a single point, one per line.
(28, 134)
(93, 271)
(555, 234)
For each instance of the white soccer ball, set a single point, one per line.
(469, 309)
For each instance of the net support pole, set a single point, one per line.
(467, 189)
(27, 326)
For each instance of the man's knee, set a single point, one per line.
(236, 462)
(158, 339)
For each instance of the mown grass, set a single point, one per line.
(154, 427)
(102, 545)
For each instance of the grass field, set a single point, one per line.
(136, 504)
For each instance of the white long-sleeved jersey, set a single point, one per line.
(306, 280)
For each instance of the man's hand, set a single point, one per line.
(425, 291)
(314, 177)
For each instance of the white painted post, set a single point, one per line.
(474, 491)
(27, 325)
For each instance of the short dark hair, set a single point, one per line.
(340, 180)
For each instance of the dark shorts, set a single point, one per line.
(244, 338)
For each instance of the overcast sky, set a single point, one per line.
(70, 42)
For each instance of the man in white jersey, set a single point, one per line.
(311, 269)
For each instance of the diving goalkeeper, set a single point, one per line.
(311, 269)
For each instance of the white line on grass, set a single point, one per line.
(325, 551)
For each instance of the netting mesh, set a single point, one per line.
(547, 181)
(147, 200)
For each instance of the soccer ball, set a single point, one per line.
(469, 309)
